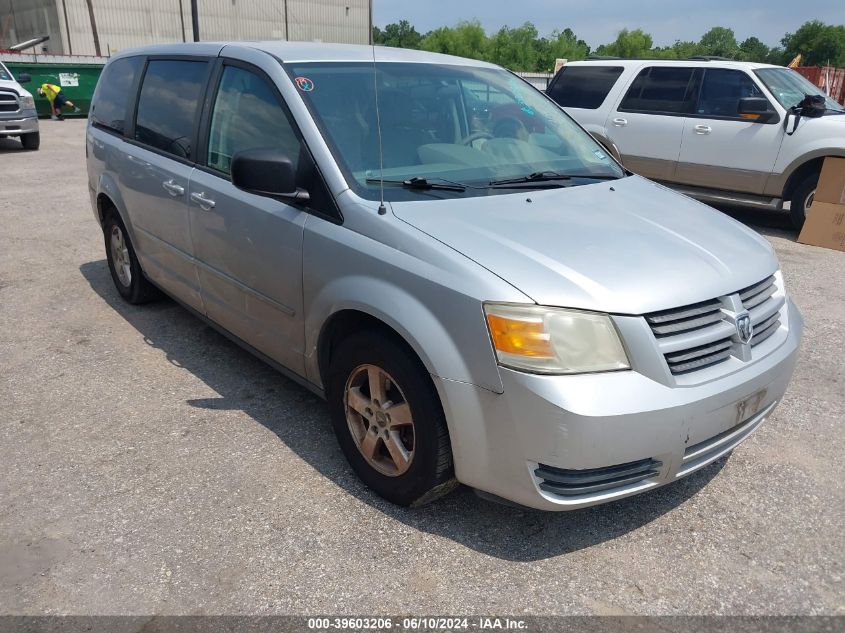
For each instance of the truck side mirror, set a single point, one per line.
(755, 109)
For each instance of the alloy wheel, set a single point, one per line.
(120, 256)
(379, 419)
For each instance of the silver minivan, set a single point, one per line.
(479, 291)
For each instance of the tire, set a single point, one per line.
(800, 197)
(428, 473)
(31, 141)
(125, 269)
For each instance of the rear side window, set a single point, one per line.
(168, 105)
(113, 93)
(247, 115)
(662, 90)
(583, 86)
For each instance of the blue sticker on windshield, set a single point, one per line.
(516, 88)
(600, 154)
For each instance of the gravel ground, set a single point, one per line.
(152, 467)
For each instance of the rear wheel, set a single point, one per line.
(123, 263)
(801, 200)
(388, 420)
(31, 141)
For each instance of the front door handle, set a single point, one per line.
(702, 129)
(172, 188)
(200, 199)
(620, 122)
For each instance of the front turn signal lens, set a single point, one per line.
(524, 337)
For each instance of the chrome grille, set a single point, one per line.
(702, 335)
(756, 300)
(8, 102)
(570, 483)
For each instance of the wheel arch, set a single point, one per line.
(338, 309)
(802, 167)
(108, 197)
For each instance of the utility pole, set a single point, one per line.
(94, 28)
(67, 28)
(195, 20)
(182, 19)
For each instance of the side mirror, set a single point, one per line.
(24, 78)
(267, 172)
(755, 109)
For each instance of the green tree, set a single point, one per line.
(817, 42)
(719, 41)
(628, 44)
(753, 50)
(516, 49)
(401, 35)
(561, 45)
(467, 39)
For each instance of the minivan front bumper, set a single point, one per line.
(567, 442)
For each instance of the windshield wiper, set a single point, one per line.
(548, 176)
(422, 183)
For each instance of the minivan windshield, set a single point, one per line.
(789, 87)
(452, 130)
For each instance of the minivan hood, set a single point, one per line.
(628, 246)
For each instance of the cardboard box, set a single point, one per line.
(832, 182)
(825, 225)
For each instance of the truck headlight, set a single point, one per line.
(27, 103)
(554, 340)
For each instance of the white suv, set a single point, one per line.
(720, 131)
(17, 110)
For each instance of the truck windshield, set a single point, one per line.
(5, 75)
(789, 87)
(466, 125)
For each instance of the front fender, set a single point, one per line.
(433, 343)
(428, 293)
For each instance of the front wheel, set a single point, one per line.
(388, 420)
(801, 200)
(31, 141)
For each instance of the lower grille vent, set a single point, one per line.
(570, 483)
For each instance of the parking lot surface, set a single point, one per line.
(152, 467)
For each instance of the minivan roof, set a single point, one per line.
(309, 52)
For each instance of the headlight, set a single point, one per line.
(554, 340)
(27, 103)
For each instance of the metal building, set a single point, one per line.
(103, 27)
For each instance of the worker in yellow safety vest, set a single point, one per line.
(57, 100)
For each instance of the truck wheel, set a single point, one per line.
(31, 141)
(801, 199)
(123, 263)
(388, 420)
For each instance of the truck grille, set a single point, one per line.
(700, 335)
(8, 102)
(569, 483)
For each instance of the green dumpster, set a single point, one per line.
(76, 80)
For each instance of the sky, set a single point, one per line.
(598, 21)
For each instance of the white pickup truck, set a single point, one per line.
(724, 132)
(17, 110)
